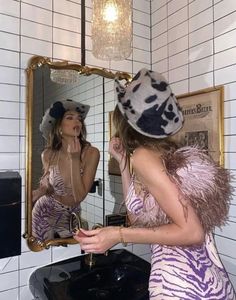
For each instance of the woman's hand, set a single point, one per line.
(36, 194)
(44, 189)
(98, 240)
(116, 149)
(74, 148)
(41, 191)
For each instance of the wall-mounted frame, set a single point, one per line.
(41, 92)
(203, 125)
(113, 167)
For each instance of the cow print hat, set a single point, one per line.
(57, 110)
(149, 105)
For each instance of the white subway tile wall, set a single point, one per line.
(178, 60)
(200, 51)
(178, 17)
(177, 46)
(52, 28)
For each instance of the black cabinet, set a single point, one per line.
(10, 214)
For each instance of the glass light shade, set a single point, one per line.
(112, 29)
(64, 76)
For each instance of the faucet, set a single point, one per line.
(80, 222)
(97, 225)
(90, 259)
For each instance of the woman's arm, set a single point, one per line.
(44, 187)
(185, 229)
(81, 184)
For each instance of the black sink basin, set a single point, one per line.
(120, 275)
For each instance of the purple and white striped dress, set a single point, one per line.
(186, 273)
(50, 218)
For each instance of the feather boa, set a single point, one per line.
(203, 183)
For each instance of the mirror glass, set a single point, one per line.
(81, 84)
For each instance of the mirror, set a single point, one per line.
(47, 83)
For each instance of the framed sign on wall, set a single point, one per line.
(203, 121)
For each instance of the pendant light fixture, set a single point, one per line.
(112, 29)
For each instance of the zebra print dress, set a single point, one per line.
(186, 273)
(50, 218)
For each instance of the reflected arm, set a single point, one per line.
(81, 183)
(44, 187)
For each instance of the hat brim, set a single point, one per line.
(57, 110)
(149, 106)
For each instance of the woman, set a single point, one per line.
(70, 164)
(174, 197)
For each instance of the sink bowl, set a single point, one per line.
(120, 275)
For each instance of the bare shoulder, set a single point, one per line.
(145, 154)
(92, 151)
(46, 155)
(146, 159)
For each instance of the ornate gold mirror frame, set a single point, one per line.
(35, 63)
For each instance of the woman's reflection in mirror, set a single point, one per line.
(69, 164)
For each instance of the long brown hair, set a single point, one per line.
(131, 139)
(54, 141)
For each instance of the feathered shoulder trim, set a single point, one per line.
(203, 183)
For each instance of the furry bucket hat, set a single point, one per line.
(149, 105)
(57, 110)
